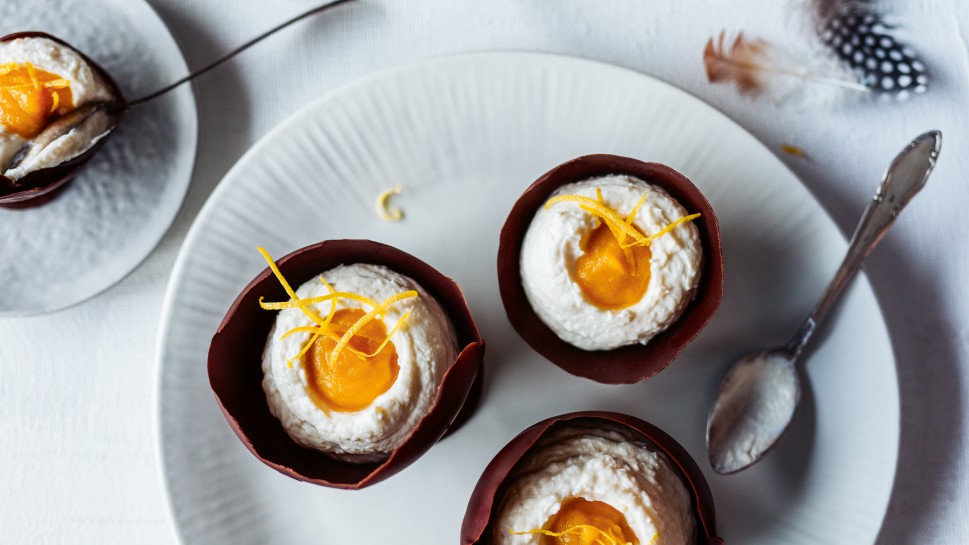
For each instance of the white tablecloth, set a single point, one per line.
(77, 387)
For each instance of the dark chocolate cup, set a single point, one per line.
(626, 364)
(41, 186)
(235, 367)
(476, 528)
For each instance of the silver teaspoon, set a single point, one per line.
(758, 397)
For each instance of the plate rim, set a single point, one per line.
(149, 12)
(177, 272)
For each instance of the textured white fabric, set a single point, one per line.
(76, 387)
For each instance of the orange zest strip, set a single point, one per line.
(295, 330)
(603, 212)
(289, 290)
(279, 275)
(350, 295)
(307, 345)
(280, 305)
(621, 228)
(366, 318)
(671, 226)
(319, 330)
(322, 326)
(389, 335)
(630, 258)
(612, 228)
(332, 311)
(635, 210)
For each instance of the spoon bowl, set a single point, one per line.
(754, 407)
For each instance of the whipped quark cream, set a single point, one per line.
(86, 87)
(552, 245)
(598, 464)
(426, 347)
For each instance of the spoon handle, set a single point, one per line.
(236, 51)
(904, 178)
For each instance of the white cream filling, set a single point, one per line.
(426, 347)
(86, 87)
(598, 465)
(552, 245)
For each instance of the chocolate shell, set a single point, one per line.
(626, 364)
(40, 186)
(476, 529)
(235, 366)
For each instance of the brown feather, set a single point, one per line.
(740, 63)
(756, 67)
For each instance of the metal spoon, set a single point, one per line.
(757, 398)
(95, 111)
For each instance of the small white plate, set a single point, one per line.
(114, 213)
(465, 135)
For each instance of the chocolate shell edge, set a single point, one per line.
(476, 530)
(43, 185)
(626, 364)
(235, 371)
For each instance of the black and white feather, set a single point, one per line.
(857, 33)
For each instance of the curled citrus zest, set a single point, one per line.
(332, 311)
(318, 331)
(323, 326)
(303, 307)
(55, 102)
(289, 290)
(295, 330)
(350, 295)
(389, 335)
(668, 228)
(308, 344)
(621, 228)
(616, 233)
(384, 210)
(280, 305)
(608, 216)
(627, 251)
(612, 228)
(635, 210)
(367, 318)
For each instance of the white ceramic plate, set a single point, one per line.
(116, 210)
(465, 135)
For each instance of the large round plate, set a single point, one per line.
(465, 135)
(121, 204)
